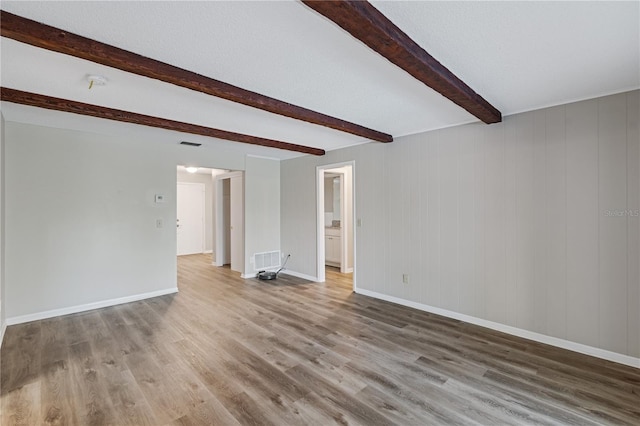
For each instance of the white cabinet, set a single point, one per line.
(332, 247)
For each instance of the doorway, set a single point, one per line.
(335, 186)
(203, 176)
(229, 213)
(190, 218)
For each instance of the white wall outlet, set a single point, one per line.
(405, 278)
(159, 198)
(159, 223)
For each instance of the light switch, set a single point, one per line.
(359, 222)
(159, 223)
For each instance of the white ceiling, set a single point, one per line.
(518, 55)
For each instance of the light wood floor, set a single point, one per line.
(228, 351)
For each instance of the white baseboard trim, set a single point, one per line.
(299, 275)
(87, 307)
(526, 334)
(348, 270)
(207, 252)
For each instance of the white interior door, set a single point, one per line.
(190, 218)
(237, 224)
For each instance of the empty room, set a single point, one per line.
(319, 212)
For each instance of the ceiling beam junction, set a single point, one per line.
(367, 24)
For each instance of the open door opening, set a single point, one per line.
(335, 222)
(196, 210)
(229, 219)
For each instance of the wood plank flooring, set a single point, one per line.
(228, 351)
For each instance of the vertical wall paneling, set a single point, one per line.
(362, 199)
(612, 157)
(368, 242)
(495, 223)
(349, 232)
(433, 220)
(374, 221)
(395, 211)
(556, 221)
(480, 219)
(582, 221)
(448, 219)
(466, 153)
(401, 166)
(633, 218)
(506, 223)
(407, 177)
(524, 222)
(423, 215)
(510, 223)
(539, 221)
(414, 257)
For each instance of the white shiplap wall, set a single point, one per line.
(506, 223)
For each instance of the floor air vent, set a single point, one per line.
(266, 260)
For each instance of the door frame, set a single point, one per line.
(219, 240)
(320, 247)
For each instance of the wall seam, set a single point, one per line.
(566, 221)
(599, 231)
(627, 216)
(458, 280)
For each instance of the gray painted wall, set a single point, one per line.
(81, 216)
(261, 208)
(531, 223)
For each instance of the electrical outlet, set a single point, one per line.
(405, 278)
(159, 223)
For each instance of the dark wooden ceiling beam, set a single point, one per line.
(47, 37)
(65, 105)
(369, 25)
